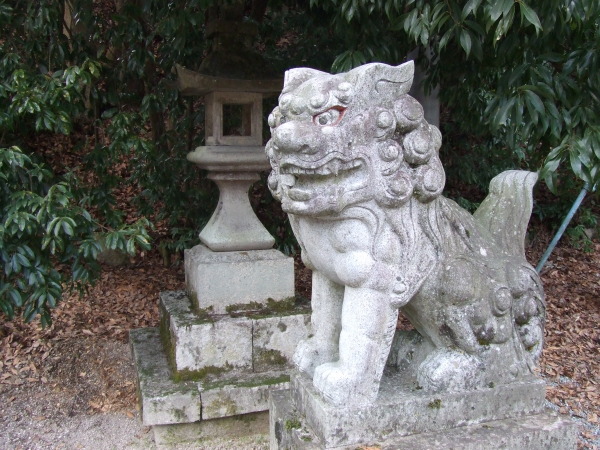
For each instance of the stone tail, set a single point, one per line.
(505, 212)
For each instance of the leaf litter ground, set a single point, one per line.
(79, 370)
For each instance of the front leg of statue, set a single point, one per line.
(322, 346)
(368, 327)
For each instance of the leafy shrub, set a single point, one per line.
(47, 240)
(107, 67)
(519, 79)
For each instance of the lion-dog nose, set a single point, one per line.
(287, 138)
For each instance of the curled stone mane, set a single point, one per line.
(409, 164)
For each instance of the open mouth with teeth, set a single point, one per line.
(328, 180)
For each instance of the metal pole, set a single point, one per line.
(562, 228)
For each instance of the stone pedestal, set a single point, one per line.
(507, 416)
(218, 281)
(233, 219)
(221, 348)
(228, 341)
(206, 375)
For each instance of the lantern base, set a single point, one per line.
(234, 226)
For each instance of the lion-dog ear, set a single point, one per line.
(295, 77)
(380, 81)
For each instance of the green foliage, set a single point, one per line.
(46, 238)
(580, 235)
(519, 81)
(523, 76)
(106, 68)
(152, 127)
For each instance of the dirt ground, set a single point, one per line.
(73, 385)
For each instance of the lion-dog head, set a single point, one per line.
(340, 140)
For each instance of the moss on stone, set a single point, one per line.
(281, 306)
(272, 308)
(167, 341)
(435, 404)
(292, 424)
(193, 296)
(484, 341)
(247, 382)
(201, 374)
(239, 308)
(269, 358)
(204, 315)
(179, 415)
(224, 405)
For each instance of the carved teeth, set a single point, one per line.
(299, 195)
(287, 180)
(335, 166)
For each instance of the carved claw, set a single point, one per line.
(309, 354)
(341, 386)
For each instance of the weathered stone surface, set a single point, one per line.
(356, 167)
(283, 420)
(402, 410)
(245, 394)
(213, 343)
(202, 343)
(233, 225)
(249, 430)
(216, 351)
(165, 401)
(162, 400)
(216, 280)
(274, 340)
(544, 431)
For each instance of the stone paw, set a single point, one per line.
(343, 387)
(309, 355)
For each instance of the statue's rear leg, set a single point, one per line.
(368, 326)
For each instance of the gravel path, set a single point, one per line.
(99, 432)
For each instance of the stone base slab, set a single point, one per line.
(542, 431)
(213, 343)
(162, 400)
(248, 430)
(165, 401)
(401, 410)
(216, 280)
(239, 394)
(204, 343)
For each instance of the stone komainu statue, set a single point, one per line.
(356, 167)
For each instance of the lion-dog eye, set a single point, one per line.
(330, 117)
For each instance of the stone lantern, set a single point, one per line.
(233, 155)
(235, 262)
(228, 341)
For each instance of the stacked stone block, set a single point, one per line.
(210, 366)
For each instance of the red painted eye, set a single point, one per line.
(330, 117)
